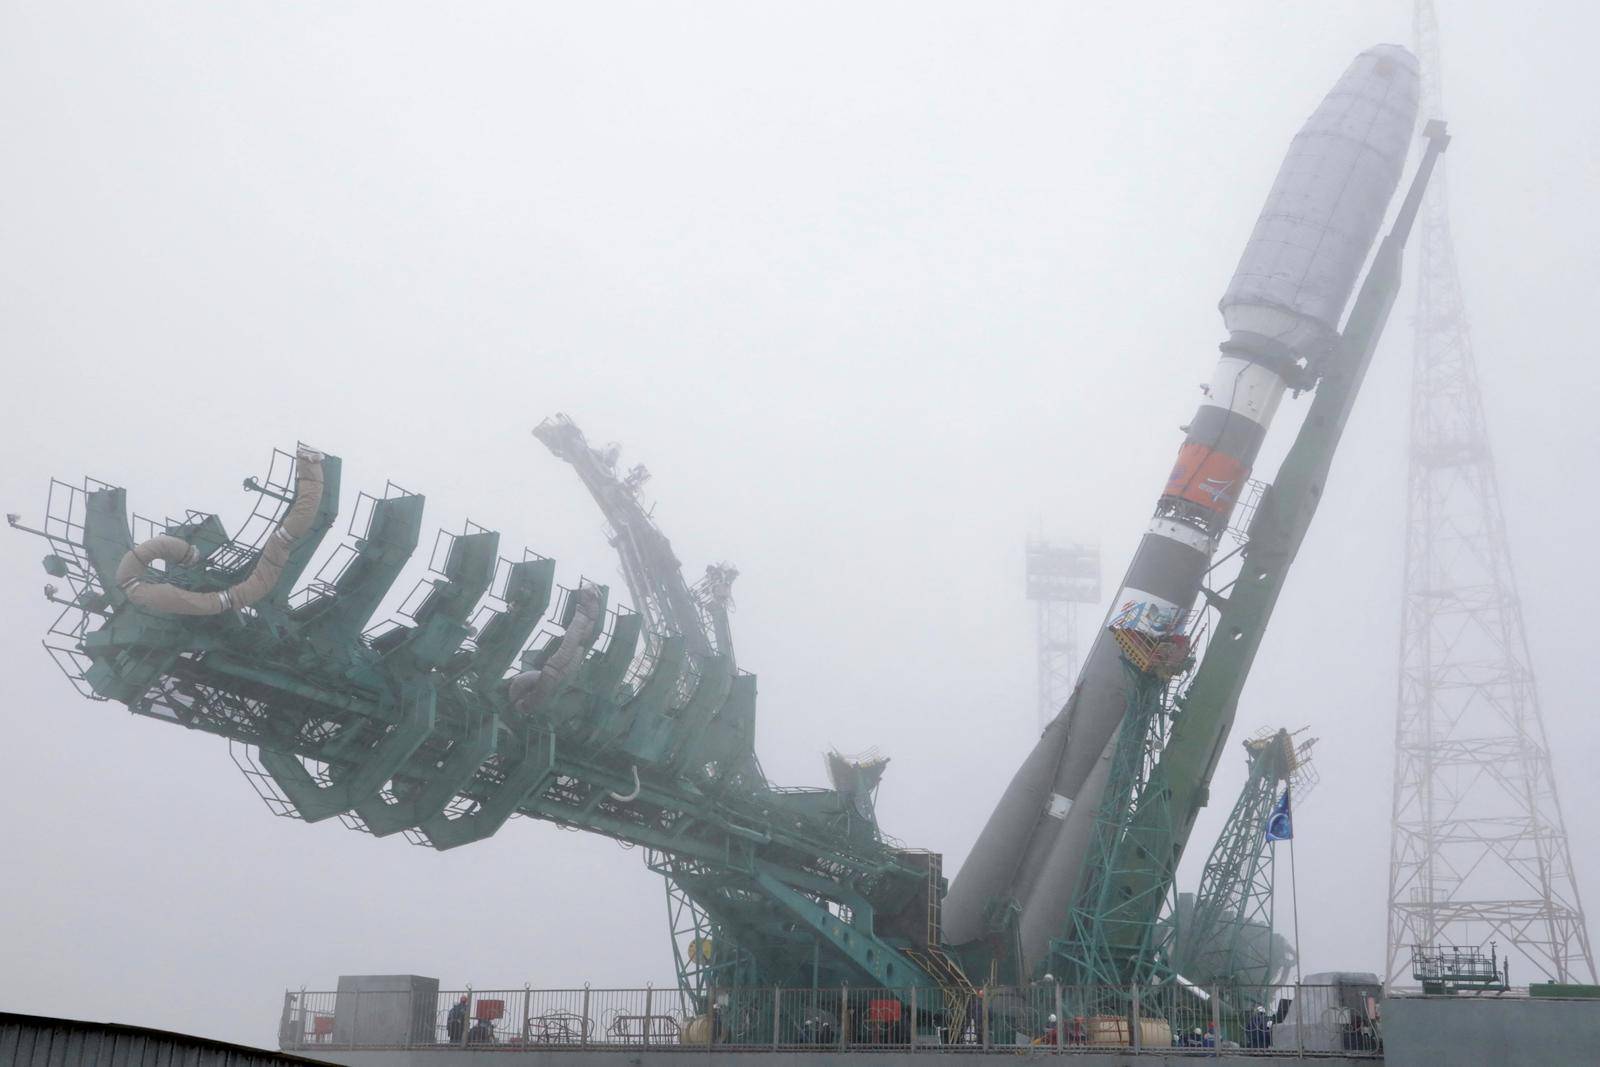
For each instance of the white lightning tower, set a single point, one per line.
(1478, 851)
(1060, 576)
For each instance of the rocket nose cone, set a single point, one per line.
(1385, 57)
(1386, 74)
(1374, 103)
(1325, 208)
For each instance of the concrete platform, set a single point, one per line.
(684, 1057)
(1464, 1031)
(1490, 1031)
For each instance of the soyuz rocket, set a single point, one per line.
(1282, 311)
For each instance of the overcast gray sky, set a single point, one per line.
(872, 289)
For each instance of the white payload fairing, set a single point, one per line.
(1282, 310)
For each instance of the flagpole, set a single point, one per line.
(1294, 886)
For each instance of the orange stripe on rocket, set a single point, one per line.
(1207, 477)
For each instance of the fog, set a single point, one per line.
(874, 291)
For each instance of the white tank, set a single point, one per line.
(1326, 205)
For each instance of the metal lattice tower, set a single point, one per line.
(1059, 578)
(1228, 932)
(1478, 850)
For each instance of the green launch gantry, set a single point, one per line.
(709, 954)
(415, 726)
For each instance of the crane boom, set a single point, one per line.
(649, 566)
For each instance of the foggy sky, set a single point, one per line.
(874, 290)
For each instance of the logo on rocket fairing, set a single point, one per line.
(1217, 490)
(1146, 613)
(1206, 477)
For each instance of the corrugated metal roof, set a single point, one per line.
(37, 1041)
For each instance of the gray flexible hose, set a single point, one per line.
(133, 570)
(532, 688)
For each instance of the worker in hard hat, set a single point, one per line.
(1051, 1035)
(1258, 1029)
(455, 1023)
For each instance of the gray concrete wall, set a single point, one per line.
(1490, 1032)
(683, 1057)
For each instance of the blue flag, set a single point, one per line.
(1280, 825)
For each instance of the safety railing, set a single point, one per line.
(1045, 1017)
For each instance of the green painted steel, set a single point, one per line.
(407, 726)
(1564, 990)
(1104, 918)
(1226, 934)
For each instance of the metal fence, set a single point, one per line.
(1340, 1019)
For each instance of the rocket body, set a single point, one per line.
(1282, 309)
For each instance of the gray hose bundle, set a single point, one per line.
(133, 570)
(530, 689)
